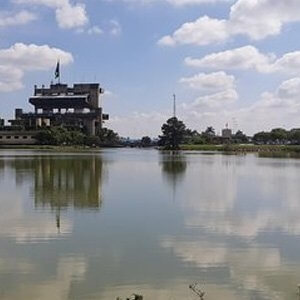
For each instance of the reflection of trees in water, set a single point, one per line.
(173, 166)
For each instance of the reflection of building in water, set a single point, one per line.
(59, 181)
(62, 182)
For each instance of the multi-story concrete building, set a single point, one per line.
(227, 133)
(76, 107)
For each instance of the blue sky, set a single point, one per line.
(230, 62)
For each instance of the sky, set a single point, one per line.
(227, 61)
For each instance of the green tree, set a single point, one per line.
(294, 136)
(192, 137)
(262, 137)
(173, 134)
(279, 135)
(146, 141)
(108, 137)
(240, 137)
(209, 135)
(210, 131)
(59, 136)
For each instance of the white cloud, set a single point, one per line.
(178, 2)
(246, 58)
(210, 82)
(10, 79)
(216, 100)
(115, 28)
(95, 30)
(68, 15)
(19, 58)
(219, 85)
(202, 32)
(138, 124)
(289, 89)
(255, 19)
(189, 2)
(21, 18)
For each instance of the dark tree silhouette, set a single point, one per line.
(146, 141)
(173, 134)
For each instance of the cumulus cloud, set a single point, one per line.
(21, 18)
(215, 100)
(10, 79)
(210, 82)
(20, 58)
(202, 32)
(255, 19)
(247, 58)
(219, 86)
(68, 15)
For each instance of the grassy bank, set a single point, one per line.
(245, 148)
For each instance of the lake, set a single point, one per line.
(103, 224)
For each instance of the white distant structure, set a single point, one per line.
(227, 132)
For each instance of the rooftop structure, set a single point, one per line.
(227, 132)
(59, 105)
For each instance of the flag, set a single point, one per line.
(57, 71)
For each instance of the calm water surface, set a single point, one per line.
(110, 223)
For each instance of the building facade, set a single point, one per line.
(76, 107)
(227, 133)
(11, 137)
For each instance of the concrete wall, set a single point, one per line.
(16, 138)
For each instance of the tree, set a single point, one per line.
(108, 137)
(192, 137)
(209, 135)
(262, 137)
(173, 134)
(279, 135)
(59, 136)
(210, 131)
(294, 136)
(240, 137)
(146, 141)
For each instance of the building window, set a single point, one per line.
(25, 137)
(16, 137)
(8, 137)
(1, 137)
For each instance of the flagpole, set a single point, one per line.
(59, 72)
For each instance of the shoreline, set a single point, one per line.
(284, 151)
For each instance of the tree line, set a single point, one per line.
(174, 134)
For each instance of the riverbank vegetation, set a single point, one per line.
(279, 141)
(60, 136)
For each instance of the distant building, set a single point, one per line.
(74, 107)
(226, 133)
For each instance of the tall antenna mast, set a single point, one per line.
(174, 106)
